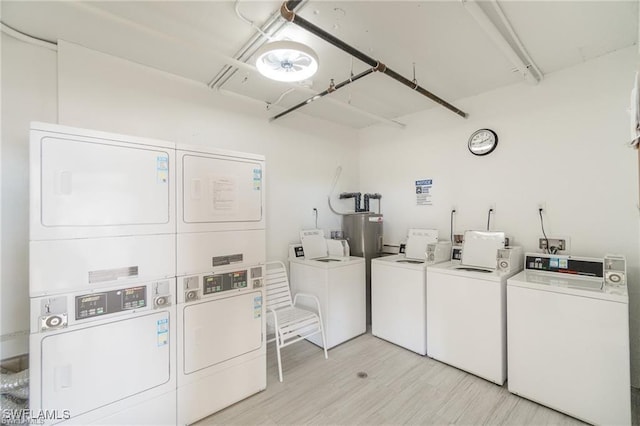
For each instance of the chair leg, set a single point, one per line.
(324, 341)
(279, 359)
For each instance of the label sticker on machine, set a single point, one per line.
(162, 169)
(257, 179)
(163, 331)
(257, 307)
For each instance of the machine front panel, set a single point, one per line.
(99, 184)
(221, 190)
(218, 330)
(58, 266)
(84, 369)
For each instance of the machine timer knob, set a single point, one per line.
(53, 321)
(161, 301)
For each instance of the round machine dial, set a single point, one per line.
(482, 142)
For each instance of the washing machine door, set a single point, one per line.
(88, 368)
(221, 329)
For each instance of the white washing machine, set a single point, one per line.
(221, 243)
(102, 277)
(398, 293)
(466, 308)
(568, 338)
(337, 280)
(466, 319)
(339, 285)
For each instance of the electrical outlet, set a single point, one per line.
(560, 244)
(542, 206)
(492, 207)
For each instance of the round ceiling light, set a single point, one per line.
(286, 61)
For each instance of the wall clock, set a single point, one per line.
(482, 142)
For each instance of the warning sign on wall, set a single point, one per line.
(424, 190)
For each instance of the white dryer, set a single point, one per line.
(101, 209)
(221, 340)
(568, 337)
(105, 356)
(220, 248)
(398, 293)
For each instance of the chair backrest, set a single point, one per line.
(278, 291)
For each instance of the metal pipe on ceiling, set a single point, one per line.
(332, 88)
(288, 14)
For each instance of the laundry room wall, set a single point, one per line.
(562, 142)
(97, 91)
(28, 93)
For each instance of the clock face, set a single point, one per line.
(483, 142)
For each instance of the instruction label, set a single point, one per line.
(162, 169)
(163, 331)
(257, 307)
(257, 179)
(424, 190)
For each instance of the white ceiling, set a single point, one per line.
(453, 57)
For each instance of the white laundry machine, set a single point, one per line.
(220, 248)
(568, 337)
(398, 292)
(221, 340)
(105, 356)
(101, 209)
(102, 277)
(339, 283)
(466, 308)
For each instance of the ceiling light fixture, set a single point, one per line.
(286, 60)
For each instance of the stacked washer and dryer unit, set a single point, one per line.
(221, 247)
(101, 278)
(115, 338)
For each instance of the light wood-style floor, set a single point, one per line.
(400, 388)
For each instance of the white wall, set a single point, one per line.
(28, 93)
(98, 91)
(561, 142)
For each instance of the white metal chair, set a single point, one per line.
(289, 323)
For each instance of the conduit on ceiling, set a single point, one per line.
(332, 88)
(286, 10)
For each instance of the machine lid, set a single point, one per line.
(417, 242)
(314, 245)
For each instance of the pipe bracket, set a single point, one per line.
(287, 14)
(380, 67)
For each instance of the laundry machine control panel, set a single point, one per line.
(95, 304)
(223, 282)
(587, 267)
(49, 313)
(204, 285)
